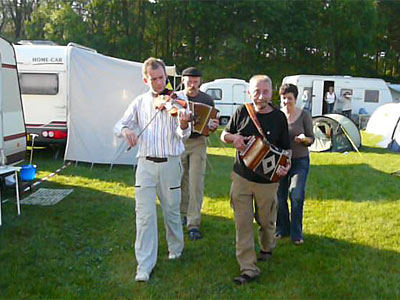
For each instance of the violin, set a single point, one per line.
(170, 102)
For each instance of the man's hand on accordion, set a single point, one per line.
(213, 124)
(239, 141)
(283, 170)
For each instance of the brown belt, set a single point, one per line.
(157, 159)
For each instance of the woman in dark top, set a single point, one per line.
(294, 183)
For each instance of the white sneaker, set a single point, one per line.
(174, 256)
(142, 277)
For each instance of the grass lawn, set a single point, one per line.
(83, 247)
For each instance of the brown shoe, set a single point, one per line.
(243, 279)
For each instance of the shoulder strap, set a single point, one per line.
(252, 114)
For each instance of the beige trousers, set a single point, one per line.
(253, 200)
(162, 180)
(194, 161)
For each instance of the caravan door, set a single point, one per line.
(317, 97)
(238, 96)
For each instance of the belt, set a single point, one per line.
(157, 159)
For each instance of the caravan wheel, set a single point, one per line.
(223, 120)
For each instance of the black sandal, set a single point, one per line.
(243, 279)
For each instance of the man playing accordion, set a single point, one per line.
(254, 195)
(194, 157)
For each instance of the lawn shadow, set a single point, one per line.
(355, 182)
(378, 150)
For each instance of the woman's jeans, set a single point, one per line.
(294, 186)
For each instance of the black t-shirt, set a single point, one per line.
(200, 98)
(275, 128)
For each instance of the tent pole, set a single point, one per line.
(350, 140)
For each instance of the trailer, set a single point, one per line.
(12, 126)
(228, 95)
(367, 94)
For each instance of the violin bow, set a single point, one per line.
(144, 128)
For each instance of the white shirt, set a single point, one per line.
(330, 98)
(346, 103)
(163, 137)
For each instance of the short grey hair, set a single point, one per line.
(258, 78)
(154, 63)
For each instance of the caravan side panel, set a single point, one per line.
(13, 128)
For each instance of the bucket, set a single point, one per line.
(27, 172)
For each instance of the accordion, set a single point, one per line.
(264, 158)
(201, 115)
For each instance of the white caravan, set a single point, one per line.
(228, 95)
(44, 69)
(12, 127)
(367, 93)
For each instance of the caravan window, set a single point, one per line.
(38, 83)
(216, 94)
(371, 96)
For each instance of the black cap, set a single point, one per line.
(191, 71)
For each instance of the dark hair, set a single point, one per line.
(289, 88)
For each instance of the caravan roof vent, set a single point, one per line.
(37, 42)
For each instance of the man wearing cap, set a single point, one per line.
(194, 158)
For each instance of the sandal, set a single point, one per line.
(264, 256)
(243, 279)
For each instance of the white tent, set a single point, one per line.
(100, 90)
(336, 133)
(385, 121)
(395, 91)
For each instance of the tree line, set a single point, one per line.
(223, 38)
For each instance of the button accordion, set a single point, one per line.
(201, 115)
(263, 158)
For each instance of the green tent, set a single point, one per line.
(335, 133)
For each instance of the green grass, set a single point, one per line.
(83, 247)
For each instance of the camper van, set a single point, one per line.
(44, 87)
(44, 73)
(12, 126)
(367, 94)
(228, 95)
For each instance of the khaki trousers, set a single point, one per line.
(162, 180)
(194, 161)
(253, 200)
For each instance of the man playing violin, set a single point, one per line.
(254, 196)
(194, 158)
(159, 167)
